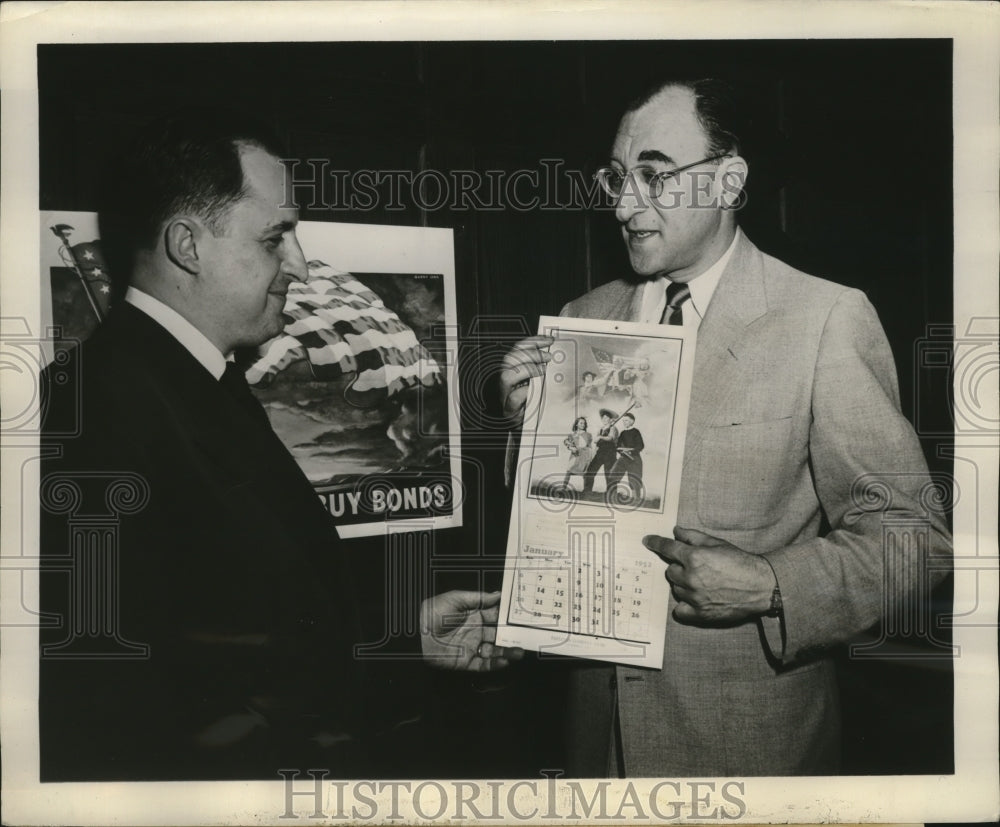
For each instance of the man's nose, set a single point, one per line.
(631, 200)
(294, 263)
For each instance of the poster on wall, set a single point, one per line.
(360, 385)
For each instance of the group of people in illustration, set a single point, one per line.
(616, 450)
(626, 382)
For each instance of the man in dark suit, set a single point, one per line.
(798, 466)
(209, 632)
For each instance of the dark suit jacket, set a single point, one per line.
(794, 418)
(630, 463)
(215, 553)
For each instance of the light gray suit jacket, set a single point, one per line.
(794, 416)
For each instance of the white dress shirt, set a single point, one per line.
(653, 296)
(181, 329)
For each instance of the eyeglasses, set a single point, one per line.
(612, 180)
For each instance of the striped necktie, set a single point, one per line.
(677, 294)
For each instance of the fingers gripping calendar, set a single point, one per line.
(598, 469)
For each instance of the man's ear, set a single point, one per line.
(180, 240)
(733, 179)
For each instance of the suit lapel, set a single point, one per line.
(738, 301)
(624, 307)
(616, 301)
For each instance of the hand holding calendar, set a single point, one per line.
(714, 582)
(578, 580)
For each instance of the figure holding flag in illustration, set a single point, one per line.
(623, 379)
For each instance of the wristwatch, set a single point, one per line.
(776, 605)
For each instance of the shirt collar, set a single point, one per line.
(193, 340)
(654, 293)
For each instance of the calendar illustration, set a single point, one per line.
(598, 469)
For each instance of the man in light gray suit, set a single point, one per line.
(794, 423)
